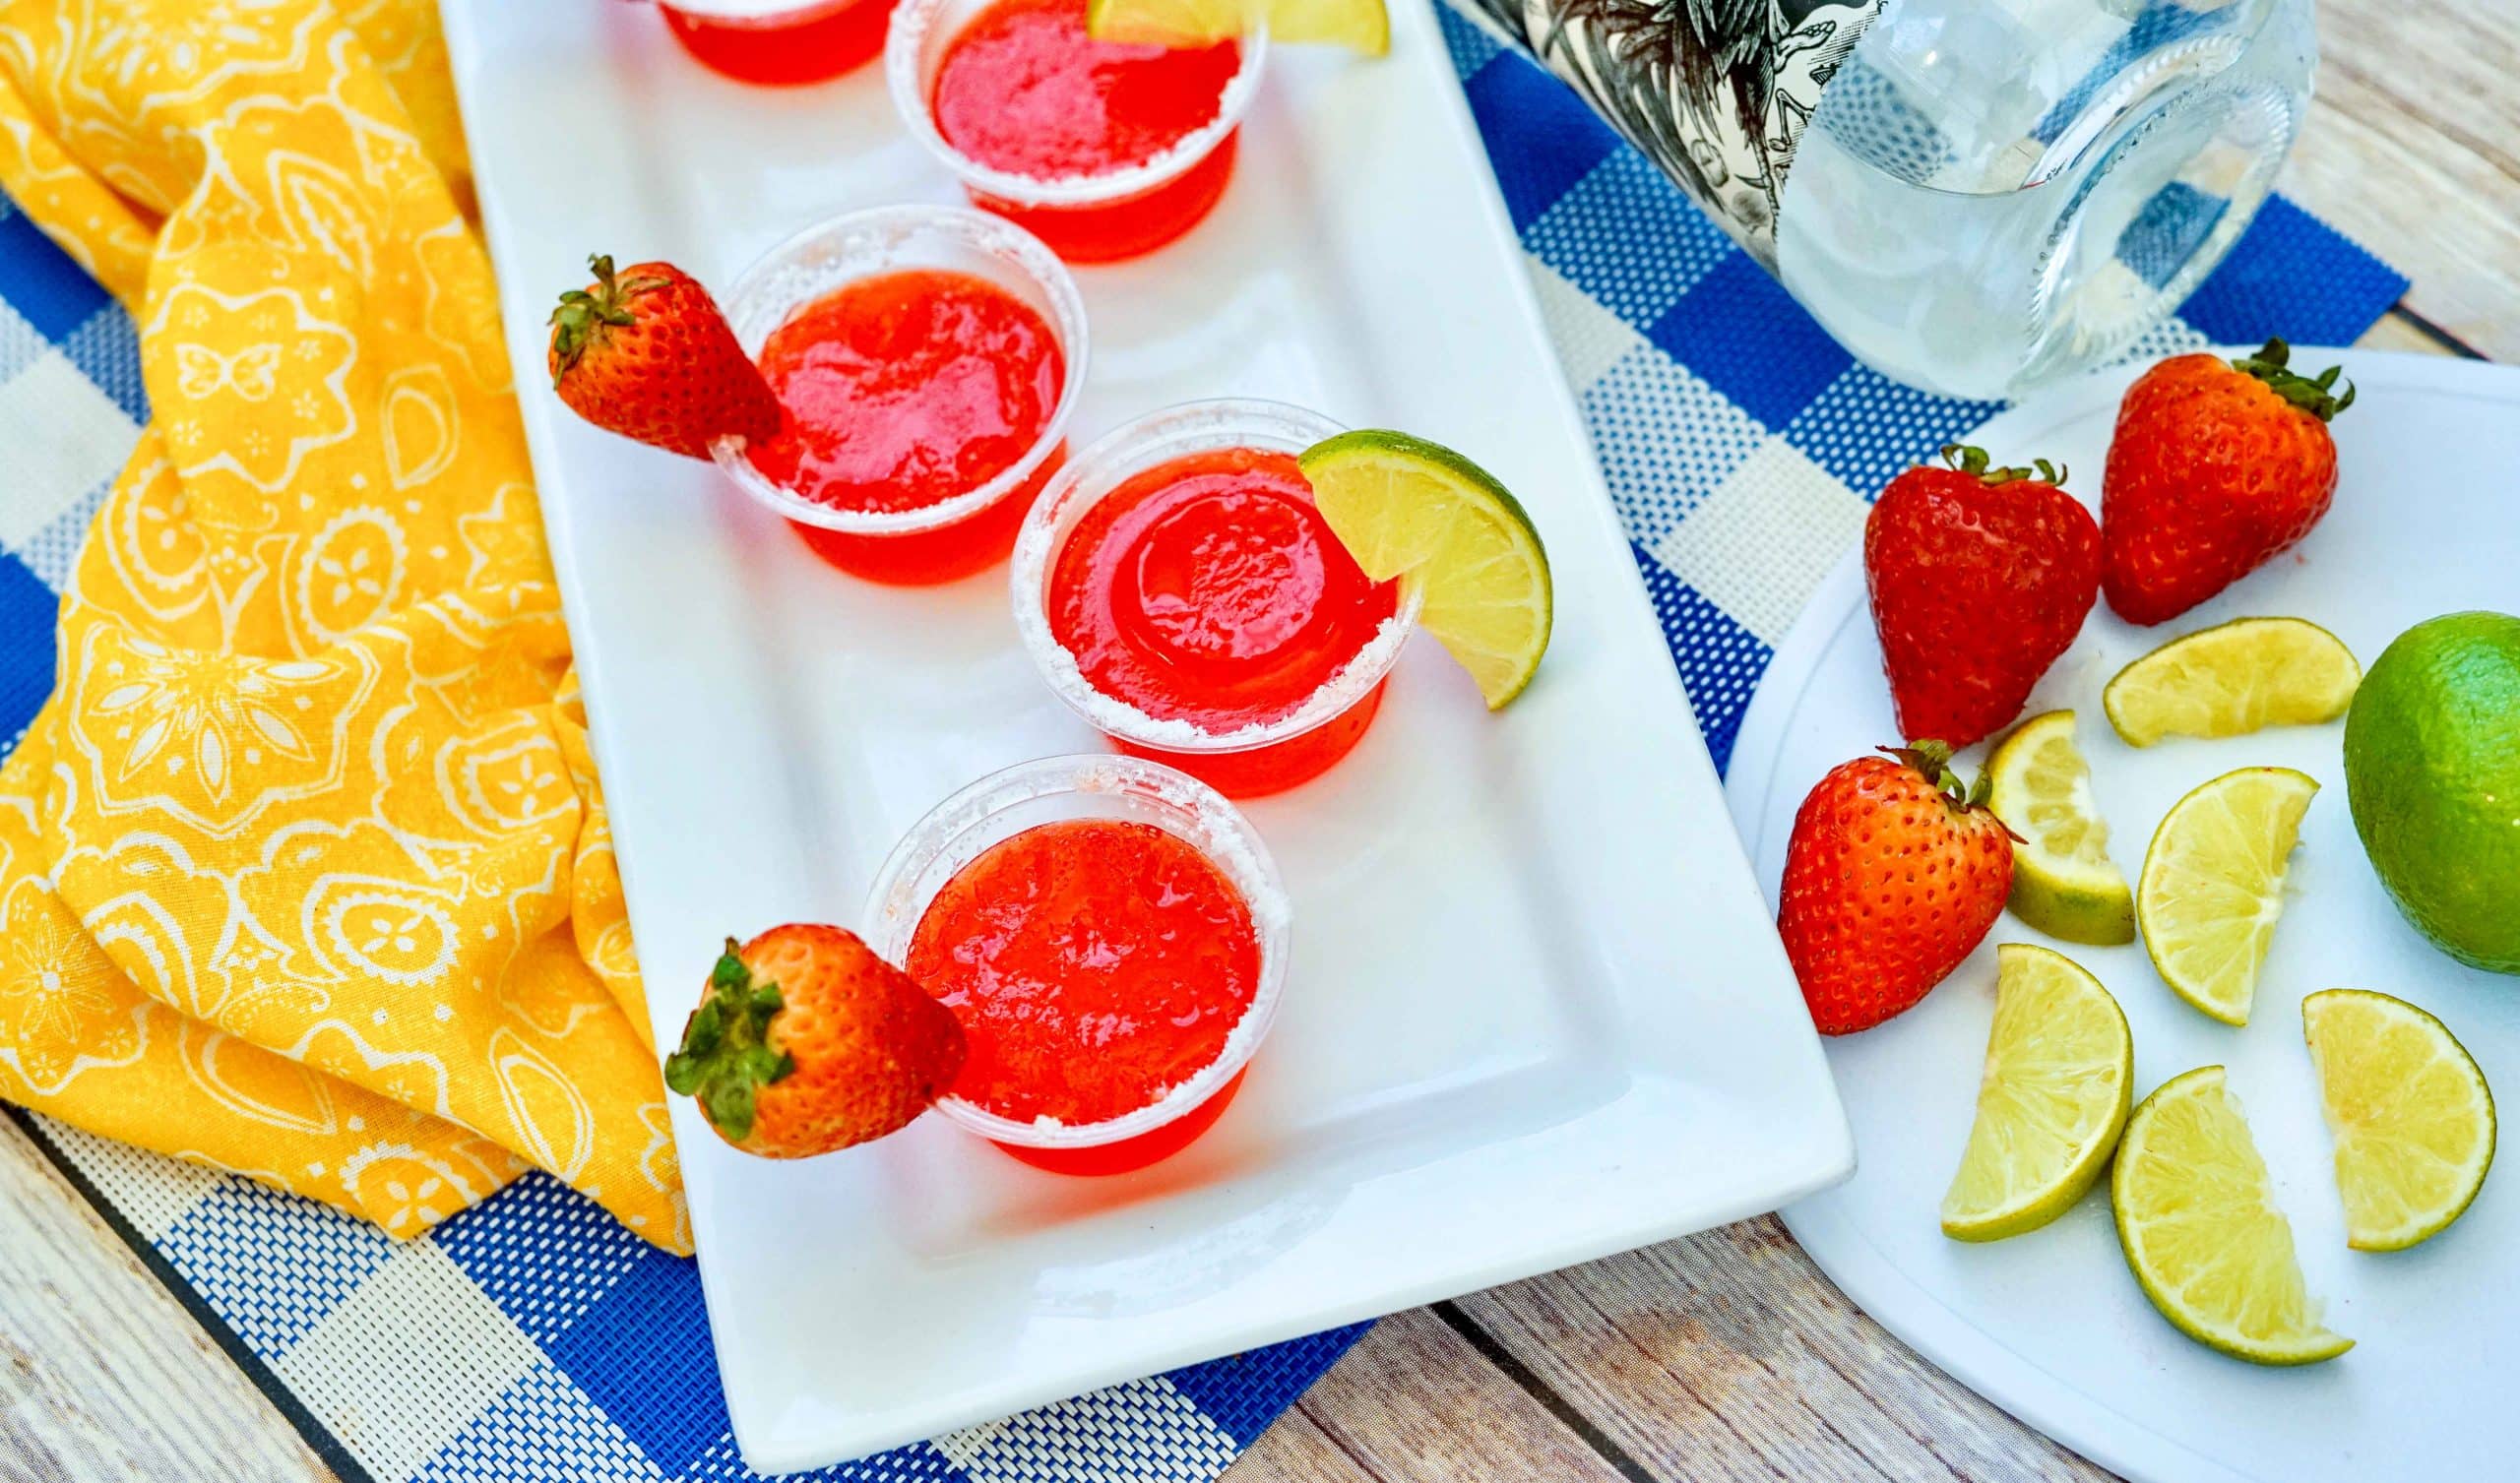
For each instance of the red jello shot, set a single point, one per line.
(1179, 589)
(1112, 937)
(1105, 150)
(780, 42)
(926, 360)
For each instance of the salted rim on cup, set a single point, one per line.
(860, 245)
(908, 72)
(762, 15)
(1158, 438)
(1098, 785)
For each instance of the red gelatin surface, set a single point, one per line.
(1210, 590)
(1095, 964)
(1023, 88)
(906, 389)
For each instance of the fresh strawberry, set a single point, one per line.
(805, 1042)
(647, 354)
(2216, 465)
(1894, 874)
(1979, 579)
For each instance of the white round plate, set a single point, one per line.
(2049, 1325)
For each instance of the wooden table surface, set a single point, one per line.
(1723, 1356)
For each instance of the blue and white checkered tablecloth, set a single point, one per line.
(534, 1339)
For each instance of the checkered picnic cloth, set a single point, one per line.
(534, 1338)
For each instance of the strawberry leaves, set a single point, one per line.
(725, 1058)
(2315, 394)
(1974, 462)
(1933, 760)
(580, 322)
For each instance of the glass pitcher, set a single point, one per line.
(1976, 196)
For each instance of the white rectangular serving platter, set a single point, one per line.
(1537, 1013)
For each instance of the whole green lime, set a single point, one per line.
(2432, 768)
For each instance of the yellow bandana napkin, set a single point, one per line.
(303, 870)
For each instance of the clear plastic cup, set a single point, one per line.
(967, 532)
(1253, 760)
(1087, 218)
(780, 42)
(1003, 805)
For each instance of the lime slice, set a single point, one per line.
(1404, 507)
(2061, 1072)
(2412, 1115)
(2062, 881)
(2198, 1223)
(1361, 25)
(2213, 884)
(2239, 677)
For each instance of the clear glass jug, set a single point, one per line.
(1976, 196)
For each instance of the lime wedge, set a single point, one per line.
(2234, 679)
(2197, 1220)
(2213, 884)
(2412, 1116)
(2062, 881)
(2060, 1074)
(1407, 508)
(1361, 25)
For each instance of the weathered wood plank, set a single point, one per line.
(1296, 1450)
(2398, 333)
(2413, 146)
(1413, 1402)
(102, 1375)
(1729, 1356)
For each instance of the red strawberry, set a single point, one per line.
(647, 354)
(2216, 465)
(1979, 579)
(1892, 877)
(805, 1042)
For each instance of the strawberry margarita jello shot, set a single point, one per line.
(925, 360)
(1177, 588)
(779, 41)
(1105, 150)
(1111, 937)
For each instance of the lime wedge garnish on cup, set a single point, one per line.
(1407, 508)
(1359, 24)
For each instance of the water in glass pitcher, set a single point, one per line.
(1993, 194)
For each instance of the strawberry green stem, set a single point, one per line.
(586, 316)
(1932, 758)
(725, 1056)
(2315, 394)
(1974, 461)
